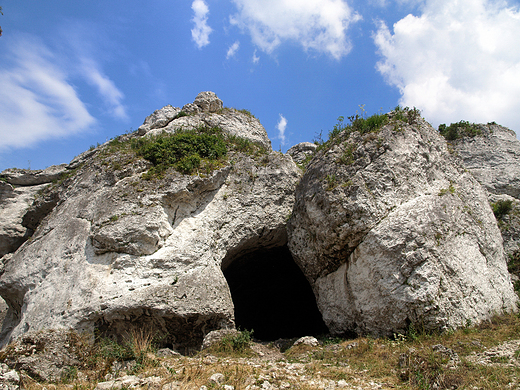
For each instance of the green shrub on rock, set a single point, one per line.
(184, 150)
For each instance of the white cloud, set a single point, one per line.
(200, 33)
(319, 25)
(256, 59)
(37, 101)
(106, 88)
(233, 49)
(282, 124)
(459, 60)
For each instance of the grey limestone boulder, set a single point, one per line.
(391, 231)
(159, 118)
(208, 102)
(27, 177)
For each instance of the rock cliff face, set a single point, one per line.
(387, 227)
(493, 157)
(391, 231)
(118, 250)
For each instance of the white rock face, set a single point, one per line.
(387, 227)
(391, 231)
(493, 158)
(18, 189)
(118, 251)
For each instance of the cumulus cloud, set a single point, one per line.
(458, 60)
(319, 25)
(282, 124)
(232, 49)
(37, 101)
(200, 33)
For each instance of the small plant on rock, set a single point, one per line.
(501, 208)
(459, 130)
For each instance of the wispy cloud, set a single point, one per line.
(256, 59)
(281, 126)
(200, 33)
(106, 88)
(37, 101)
(318, 25)
(457, 60)
(232, 49)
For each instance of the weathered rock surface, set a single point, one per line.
(509, 223)
(116, 251)
(302, 151)
(493, 158)
(391, 231)
(18, 189)
(27, 177)
(43, 355)
(9, 379)
(388, 228)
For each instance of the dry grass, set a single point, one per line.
(413, 361)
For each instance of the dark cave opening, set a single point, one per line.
(272, 297)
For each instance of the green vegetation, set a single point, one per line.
(234, 344)
(513, 266)
(183, 150)
(459, 130)
(367, 125)
(180, 115)
(450, 189)
(406, 114)
(200, 150)
(501, 208)
(331, 181)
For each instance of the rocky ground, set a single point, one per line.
(483, 357)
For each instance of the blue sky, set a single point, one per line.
(75, 73)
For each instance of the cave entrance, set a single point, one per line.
(272, 296)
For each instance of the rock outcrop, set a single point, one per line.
(388, 228)
(493, 157)
(18, 189)
(302, 152)
(116, 250)
(391, 231)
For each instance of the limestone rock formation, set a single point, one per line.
(388, 228)
(493, 157)
(113, 250)
(390, 231)
(206, 110)
(18, 188)
(302, 151)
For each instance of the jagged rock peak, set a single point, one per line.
(206, 110)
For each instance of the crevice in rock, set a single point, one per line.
(271, 295)
(39, 210)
